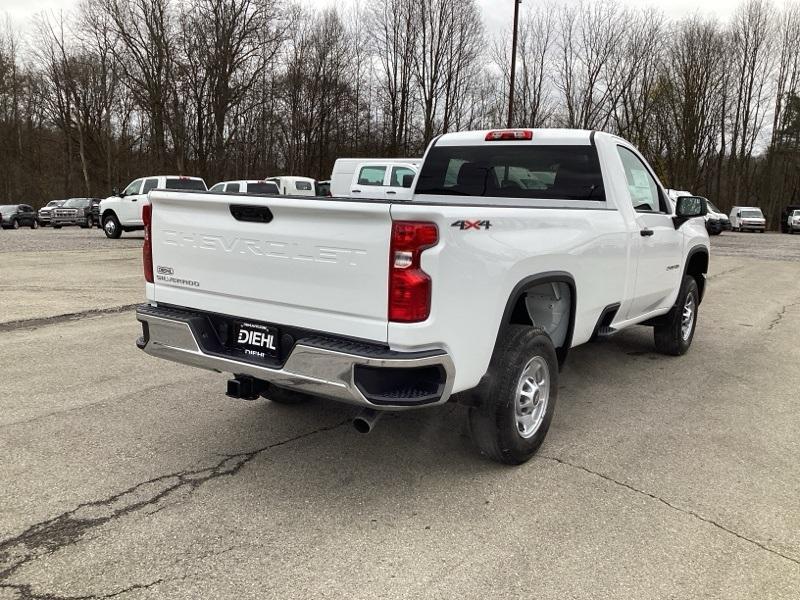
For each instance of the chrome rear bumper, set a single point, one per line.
(341, 370)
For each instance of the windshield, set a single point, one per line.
(711, 207)
(184, 183)
(525, 171)
(76, 203)
(796, 213)
(262, 187)
(53, 203)
(752, 214)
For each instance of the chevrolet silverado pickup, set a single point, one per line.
(516, 246)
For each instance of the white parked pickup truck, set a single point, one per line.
(390, 178)
(516, 246)
(123, 211)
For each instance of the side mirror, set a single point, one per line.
(408, 180)
(689, 207)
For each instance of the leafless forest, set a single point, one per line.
(252, 88)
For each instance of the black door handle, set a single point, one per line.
(646, 232)
(391, 192)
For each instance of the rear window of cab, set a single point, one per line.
(174, 183)
(554, 172)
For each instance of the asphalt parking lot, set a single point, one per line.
(127, 477)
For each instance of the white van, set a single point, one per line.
(294, 186)
(374, 178)
(246, 186)
(748, 217)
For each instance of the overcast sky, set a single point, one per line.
(497, 13)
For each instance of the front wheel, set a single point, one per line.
(675, 333)
(111, 227)
(15, 224)
(517, 404)
(87, 224)
(35, 225)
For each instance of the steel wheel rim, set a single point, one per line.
(532, 395)
(110, 226)
(687, 317)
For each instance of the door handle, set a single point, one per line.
(134, 199)
(356, 191)
(390, 192)
(646, 232)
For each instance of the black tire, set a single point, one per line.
(281, 395)
(669, 334)
(111, 226)
(15, 224)
(34, 224)
(493, 424)
(87, 224)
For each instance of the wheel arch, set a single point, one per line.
(697, 266)
(518, 312)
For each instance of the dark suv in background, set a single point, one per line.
(14, 216)
(75, 211)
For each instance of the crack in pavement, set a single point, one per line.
(725, 272)
(41, 321)
(685, 511)
(779, 317)
(67, 529)
(25, 591)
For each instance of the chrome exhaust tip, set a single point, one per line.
(366, 420)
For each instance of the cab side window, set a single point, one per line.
(232, 187)
(133, 188)
(150, 184)
(371, 175)
(644, 192)
(217, 188)
(399, 174)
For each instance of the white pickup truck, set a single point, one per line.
(123, 211)
(516, 246)
(389, 178)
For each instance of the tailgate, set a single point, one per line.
(316, 264)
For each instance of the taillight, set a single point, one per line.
(500, 135)
(409, 285)
(147, 247)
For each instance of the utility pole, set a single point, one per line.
(513, 64)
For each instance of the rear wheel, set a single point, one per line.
(111, 227)
(15, 224)
(517, 403)
(675, 333)
(35, 224)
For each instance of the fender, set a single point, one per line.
(532, 281)
(701, 278)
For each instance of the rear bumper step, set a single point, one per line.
(359, 373)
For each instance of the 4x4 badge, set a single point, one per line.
(463, 225)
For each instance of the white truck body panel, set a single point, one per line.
(320, 264)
